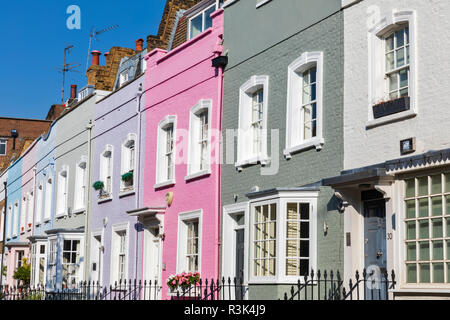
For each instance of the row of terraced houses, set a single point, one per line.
(256, 139)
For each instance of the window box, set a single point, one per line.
(390, 107)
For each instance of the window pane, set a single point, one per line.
(304, 267)
(411, 271)
(424, 250)
(304, 230)
(424, 270)
(438, 250)
(423, 186)
(447, 182)
(424, 229)
(411, 209)
(410, 188)
(411, 254)
(447, 201)
(448, 230)
(273, 212)
(437, 228)
(400, 57)
(411, 230)
(436, 206)
(423, 207)
(390, 61)
(436, 184)
(393, 82)
(390, 43)
(208, 19)
(438, 272)
(291, 267)
(304, 249)
(400, 38)
(403, 78)
(196, 26)
(292, 213)
(304, 211)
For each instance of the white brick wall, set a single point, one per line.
(431, 126)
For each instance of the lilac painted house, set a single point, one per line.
(114, 235)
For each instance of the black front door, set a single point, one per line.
(239, 272)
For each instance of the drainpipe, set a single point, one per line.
(88, 204)
(219, 181)
(5, 184)
(34, 199)
(138, 166)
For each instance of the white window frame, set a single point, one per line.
(30, 210)
(245, 133)
(202, 13)
(52, 262)
(48, 199)
(79, 204)
(281, 200)
(377, 65)
(63, 192)
(35, 260)
(183, 218)
(5, 143)
(23, 215)
(39, 198)
(126, 156)
(402, 232)
(118, 228)
(161, 166)
(15, 225)
(194, 151)
(229, 239)
(9, 222)
(108, 152)
(294, 132)
(79, 271)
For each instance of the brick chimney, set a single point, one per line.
(139, 45)
(106, 56)
(73, 92)
(96, 57)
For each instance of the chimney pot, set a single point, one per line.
(96, 57)
(139, 44)
(106, 56)
(73, 92)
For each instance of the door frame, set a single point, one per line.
(229, 227)
(95, 253)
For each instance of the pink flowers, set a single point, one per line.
(184, 280)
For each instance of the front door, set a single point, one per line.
(151, 263)
(375, 247)
(96, 259)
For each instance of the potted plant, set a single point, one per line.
(384, 108)
(23, 273)
(127, 178)
(100, 186)
(183, 280)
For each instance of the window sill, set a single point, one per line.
(60, 215)
(164, 184)
(197, 175)
(107, 199)
(125, 193)
(261, 3)
(252, 161)
(391, 118)
(441, 289)
(46, 220)
(79, 211)
(316, 143)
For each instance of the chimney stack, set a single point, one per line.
(139, 45)
(96, 57)
(106, 56)
(73, 92)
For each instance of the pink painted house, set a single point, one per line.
(183, 107)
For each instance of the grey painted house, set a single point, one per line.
(283, 96)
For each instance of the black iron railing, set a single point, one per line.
(371, 285)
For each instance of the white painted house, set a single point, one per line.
(395, 189)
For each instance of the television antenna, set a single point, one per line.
(67, 67)
(93, 36)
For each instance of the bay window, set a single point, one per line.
(70, 263)
(283, 236)
(427, 229)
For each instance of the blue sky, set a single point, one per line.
(34, 35)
